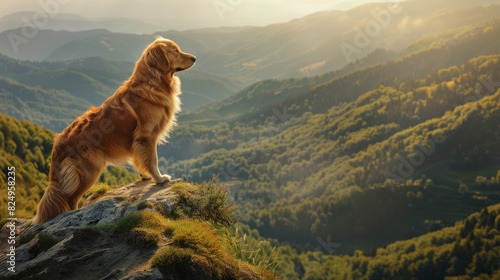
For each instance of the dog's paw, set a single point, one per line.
(163, 178)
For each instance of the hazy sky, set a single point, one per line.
(185, 12)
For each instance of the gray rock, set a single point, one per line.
(102, 212)
(85, 252)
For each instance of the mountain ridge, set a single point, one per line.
(251, 54)
(279, 92)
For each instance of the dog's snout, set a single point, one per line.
(193, 58)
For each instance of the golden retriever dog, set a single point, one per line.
(126, 128)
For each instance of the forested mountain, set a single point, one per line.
(376, 152)
(467, 250)
(25, 147)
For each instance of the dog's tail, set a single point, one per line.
(52, 204)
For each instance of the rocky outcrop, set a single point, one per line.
(140, 231)
(81, 251)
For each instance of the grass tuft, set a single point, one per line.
(208, 201)
(97, 190)
(46, 241)
(174, 263)
(25, 238)
(197, 251)
(147, 226)
(144, 204)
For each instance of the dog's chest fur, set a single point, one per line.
(171, 107)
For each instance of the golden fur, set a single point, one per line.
(126, 128)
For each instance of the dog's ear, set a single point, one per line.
(156, 58)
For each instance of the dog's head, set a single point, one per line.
(166, 57)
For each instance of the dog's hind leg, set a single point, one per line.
(77, 179)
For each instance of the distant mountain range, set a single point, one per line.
(75, 23)
(311, 45)
(260, 98)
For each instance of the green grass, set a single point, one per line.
(97, 190)
(198, 252)
(173, 262)
(46, 241)
(147, 227)
(198, 243)
(25, 238)
(207, 201)
(256, 252)
(144, 204)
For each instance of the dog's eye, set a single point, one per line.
(176, 51)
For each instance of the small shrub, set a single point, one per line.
(207, 201)
(251, 250)
(144, 204)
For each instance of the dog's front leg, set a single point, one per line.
(146, 160)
